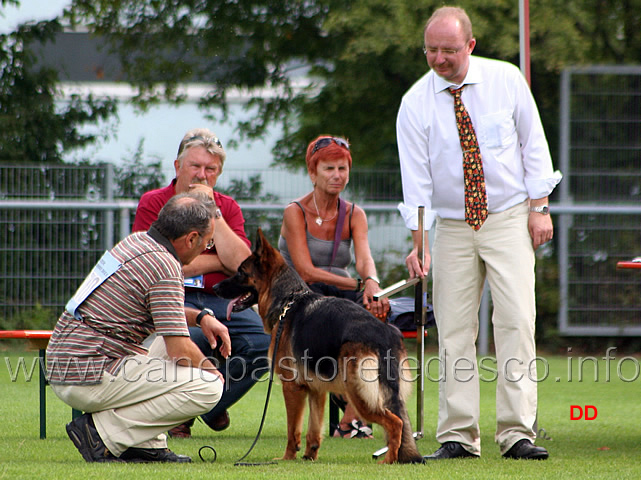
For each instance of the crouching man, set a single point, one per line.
(96, 360)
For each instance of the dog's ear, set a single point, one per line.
(265, 256)
(260, 242)
(263, 247)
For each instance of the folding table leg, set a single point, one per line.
(43, 395)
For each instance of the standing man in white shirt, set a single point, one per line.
(508, 219)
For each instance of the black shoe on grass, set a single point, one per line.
(525, 450)
(152, 455)
(84, 436)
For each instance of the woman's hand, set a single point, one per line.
(379, 308)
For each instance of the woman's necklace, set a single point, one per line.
(319, 220)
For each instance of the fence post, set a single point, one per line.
(109, 214)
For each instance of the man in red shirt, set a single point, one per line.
(198, 165)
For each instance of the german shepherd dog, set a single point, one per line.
(327, 344)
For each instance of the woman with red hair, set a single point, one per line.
(316, 238)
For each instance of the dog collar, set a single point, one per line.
(290, 303)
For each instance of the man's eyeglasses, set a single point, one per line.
(444, 51)
(325, 142)
(210, 244)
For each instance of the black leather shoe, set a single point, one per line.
(526, 450)
(152, 455)
(84, 436)
(450, 450)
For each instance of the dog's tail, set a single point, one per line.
(398, 389)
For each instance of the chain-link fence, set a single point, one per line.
(601, 193)
(56, 221)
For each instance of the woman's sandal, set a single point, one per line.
(357, 430)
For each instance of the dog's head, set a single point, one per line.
(251, 283)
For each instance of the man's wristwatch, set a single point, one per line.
(543, 209)
(205, 311)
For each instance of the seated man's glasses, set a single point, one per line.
(210, 244)
(205, 139)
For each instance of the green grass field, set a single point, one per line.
(607, 447)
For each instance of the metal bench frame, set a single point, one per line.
(38, 339)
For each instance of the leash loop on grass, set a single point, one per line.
(281, 324)
(207, 447)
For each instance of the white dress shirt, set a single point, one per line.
(515, 153)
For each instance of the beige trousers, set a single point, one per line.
(462, 259)
(148, 396)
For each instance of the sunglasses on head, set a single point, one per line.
(214, 140)
(325, 142)
(205, 140)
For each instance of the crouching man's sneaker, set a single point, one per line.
(151, 455)
(82, 432)
(525, 450)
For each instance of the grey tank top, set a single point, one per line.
(321, 250)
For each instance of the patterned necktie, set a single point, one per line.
(475, 194)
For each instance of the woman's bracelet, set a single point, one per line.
(374, 279)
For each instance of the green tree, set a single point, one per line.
(136, 174)
(251, 191)
(34, 126)
(230, 44)
(360, 56)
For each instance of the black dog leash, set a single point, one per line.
(281, 324)
(207, 447)
(239, 462)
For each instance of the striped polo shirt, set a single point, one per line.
(144, 295)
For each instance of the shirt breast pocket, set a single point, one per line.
(498, 129)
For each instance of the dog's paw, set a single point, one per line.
(288, 456)
(311, 452)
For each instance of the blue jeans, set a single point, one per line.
(249, 346)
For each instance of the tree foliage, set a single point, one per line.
(358, 56)
(33, 127)
(231, 44)
(268, 220)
